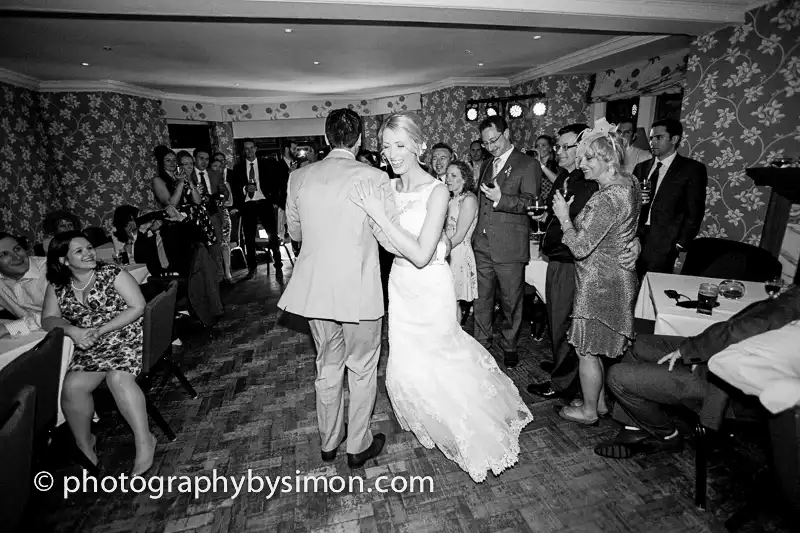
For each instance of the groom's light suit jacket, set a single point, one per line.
(337, 274)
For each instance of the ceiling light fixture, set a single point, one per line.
(84, 64)
(288, 30)
(316, 62)
(467, 51)
(540, 108)
(107, 49)
(471, 112)
(480, 64)
(537, 37)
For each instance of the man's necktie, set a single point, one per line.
(252, 180)
(653, 181)
(203, 186)
(498, 166)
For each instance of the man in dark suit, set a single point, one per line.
(258, 187)
(510, 182)
(661, 370)
(210, 184)
(675, 206)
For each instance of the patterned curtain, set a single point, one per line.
(657, 75)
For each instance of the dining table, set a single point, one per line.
(13, 347)
(671, 319)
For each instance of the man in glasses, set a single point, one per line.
(510, 182)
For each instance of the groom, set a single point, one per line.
(336, 284)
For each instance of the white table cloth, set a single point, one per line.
(653, 304)
(536, 270)
(13, 347)
(138, 271)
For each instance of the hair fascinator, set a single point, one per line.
(601, 129)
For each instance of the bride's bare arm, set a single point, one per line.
(418, 250)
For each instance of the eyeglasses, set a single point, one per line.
(491, 141)
(564, 147)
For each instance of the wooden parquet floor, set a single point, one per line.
(255, 377)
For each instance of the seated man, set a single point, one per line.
(22, 287)
(660, 370)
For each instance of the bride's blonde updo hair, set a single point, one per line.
(406, 123)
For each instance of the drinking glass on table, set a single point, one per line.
(707, 298)
(646, 189)
(773, 287)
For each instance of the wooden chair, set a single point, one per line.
(159, 316)
(236, 239)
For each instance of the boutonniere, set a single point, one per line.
(508, 172)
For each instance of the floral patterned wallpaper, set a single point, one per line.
(101, 146)
(85, 152)
(222, 141)
(740, 109)
(27, 188)
(568, 102)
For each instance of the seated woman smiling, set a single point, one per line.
(100, 307)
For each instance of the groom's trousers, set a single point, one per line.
(355, 347)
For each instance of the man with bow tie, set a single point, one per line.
(510, 182)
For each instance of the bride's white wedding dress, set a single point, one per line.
(443, 385)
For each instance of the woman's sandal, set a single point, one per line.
(579, 403)
(562, 414)
(84, 462)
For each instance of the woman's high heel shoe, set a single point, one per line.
(84, 462)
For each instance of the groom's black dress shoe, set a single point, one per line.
(510, 359)
(331, 455)
(628, 443)
(357, 460)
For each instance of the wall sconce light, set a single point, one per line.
(492, 110)
(539, 108)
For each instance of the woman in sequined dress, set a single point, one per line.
(602, 317)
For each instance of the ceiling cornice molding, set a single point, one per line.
(20, 80)
(587, 55)
(90, 86)
(464, 82)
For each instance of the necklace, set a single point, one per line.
(87, 283)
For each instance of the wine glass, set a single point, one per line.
(537, 209)
(646, 186)
(773, 287)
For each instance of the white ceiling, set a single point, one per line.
(239, 49)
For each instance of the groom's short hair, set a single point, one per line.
(343, 128)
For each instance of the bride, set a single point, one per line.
(443, 385)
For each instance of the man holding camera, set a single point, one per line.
(213, 194)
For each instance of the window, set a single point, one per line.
(668, 105)
(622, 110)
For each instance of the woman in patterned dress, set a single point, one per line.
(100, 308)
(602, 317)
(462, 217)
(173, 186)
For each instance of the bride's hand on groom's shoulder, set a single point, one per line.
(369, 198)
